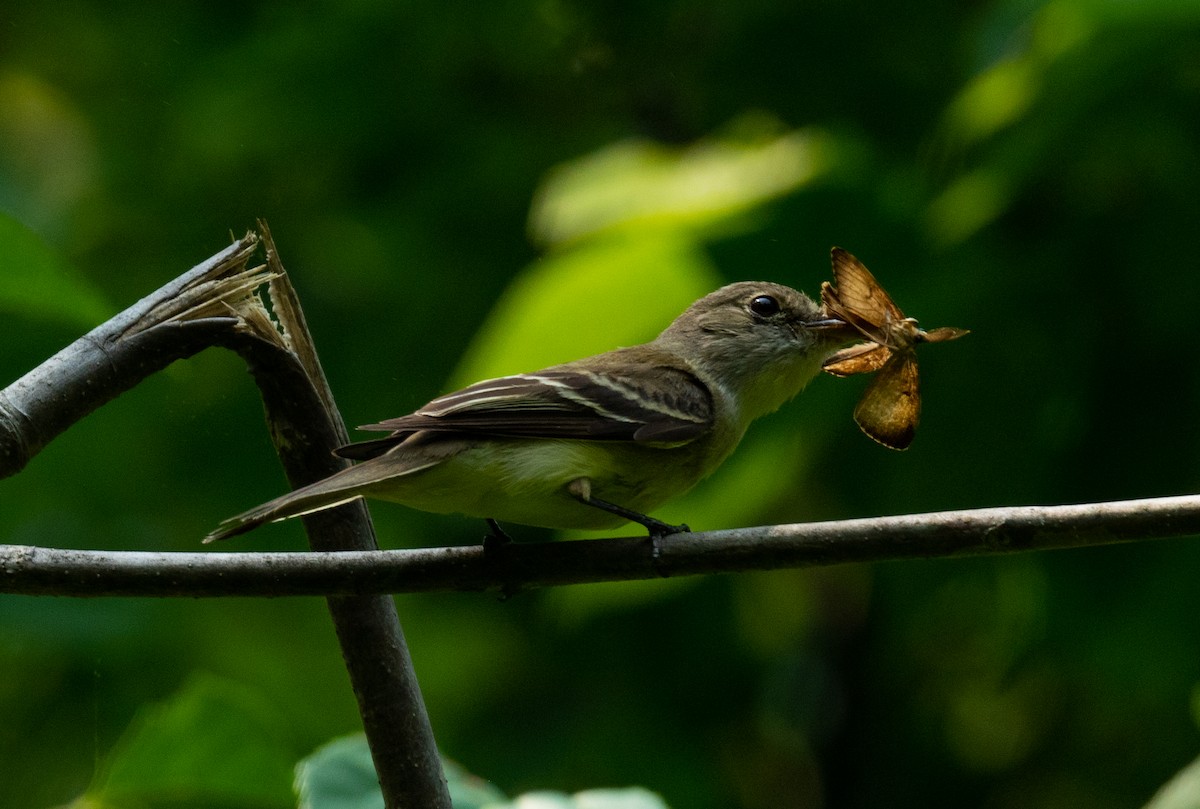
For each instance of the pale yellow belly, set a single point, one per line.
(525, 481)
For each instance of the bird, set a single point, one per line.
(597, 442)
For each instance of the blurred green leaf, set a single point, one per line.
(48, 160)
(213, 743)
(573, 607)
(1033, 163)
(737, 492)
(1181, 792)
(35, 283)
(631, 798)
(600, 295)
(967, 205)
(340, 775)
(642, 185)
(469, 791)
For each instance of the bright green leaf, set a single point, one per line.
(993, 100)
(643, 186)
(599, 296)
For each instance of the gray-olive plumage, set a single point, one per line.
(632, 427)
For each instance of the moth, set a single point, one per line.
(890, 407)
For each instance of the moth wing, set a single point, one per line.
(943, 334)
(858, 291)
(890, 407)
(863, 358)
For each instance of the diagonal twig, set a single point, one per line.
(305, 427)
(213, 304)
(121, 352)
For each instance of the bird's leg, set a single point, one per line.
(494, 542)
(581, 490)
(496, 536)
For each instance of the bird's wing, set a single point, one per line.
(643, 403)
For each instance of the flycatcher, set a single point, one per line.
(596, 442)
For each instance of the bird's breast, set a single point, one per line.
(525, 480)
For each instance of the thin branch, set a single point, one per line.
(305, 427)
(210, 305)
(519, 566)
(121, 352)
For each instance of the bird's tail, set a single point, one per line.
(294, 504)
(339, 488)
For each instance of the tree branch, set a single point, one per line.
(305, 427)
(123, 351)
(214, 304)
(518, 565)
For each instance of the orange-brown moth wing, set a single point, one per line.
(834, 308)
(890, 408)
(943, 334)
(858, 292)
(863, 358)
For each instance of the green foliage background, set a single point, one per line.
(448, 183)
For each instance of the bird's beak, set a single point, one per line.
(833, 330)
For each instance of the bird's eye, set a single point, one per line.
(764, 306)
